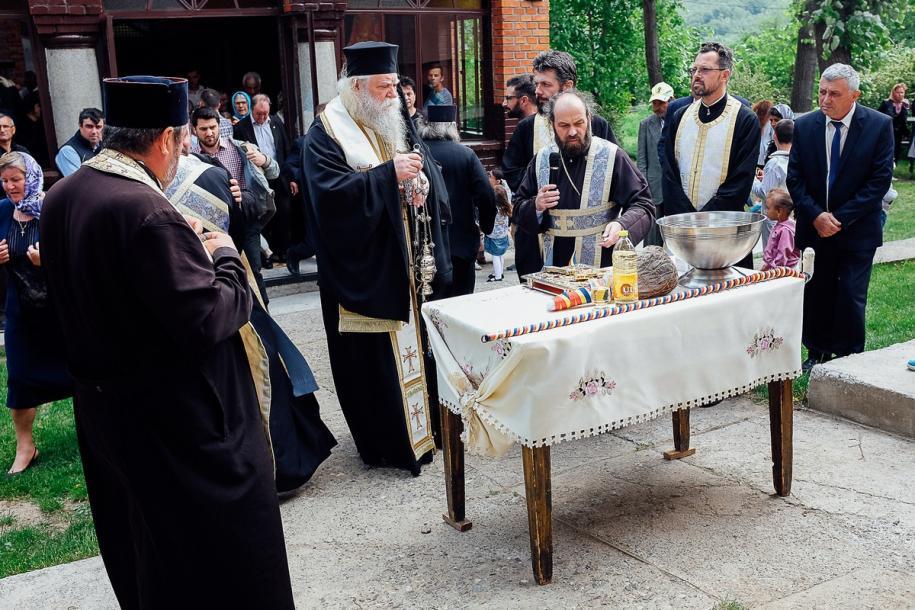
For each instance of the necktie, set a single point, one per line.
(834, 153)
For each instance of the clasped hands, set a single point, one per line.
(826, 224)
(212, 240)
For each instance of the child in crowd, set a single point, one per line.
(780, 250)
(496, 243)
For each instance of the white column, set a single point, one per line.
(74, 84)
(326, 62)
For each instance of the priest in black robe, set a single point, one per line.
(712, 144)
(364, 186)
(595, 175)
(167, 404)
(554, 71)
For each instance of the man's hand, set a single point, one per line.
(4, 252)
(826, 225)
(214, 241)
(547, 197)
(195, 224)
(34, 255)
(235, 190)
(407, 166)
(257, 158)
(293, 188)
(611, 234)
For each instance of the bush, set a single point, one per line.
(750, 82)
(898, 67)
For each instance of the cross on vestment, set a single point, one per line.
(416, 413)
(409, 354)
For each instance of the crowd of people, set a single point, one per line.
(142, 265)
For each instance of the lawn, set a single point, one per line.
(44, 513)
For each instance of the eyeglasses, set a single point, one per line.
(510, 97)
(703, 71)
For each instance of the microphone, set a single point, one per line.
(554, 167)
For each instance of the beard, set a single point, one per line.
(172, 170)
(574, 148)
(383, 117)
(515, 113)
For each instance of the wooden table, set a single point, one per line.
(537, 485)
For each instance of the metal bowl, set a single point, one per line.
(711, 240)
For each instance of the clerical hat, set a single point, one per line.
(371, 57)
(145, 102)
(444, 113)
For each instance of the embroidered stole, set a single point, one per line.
(703, 151)
(195, 201)
(364, 149)
(112, 162)
(543, 132)
(585, 224)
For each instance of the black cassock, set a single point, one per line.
(363, 266)
(518, 155)
(177, 466)
(734, 192)
(628, 189)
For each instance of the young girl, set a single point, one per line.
(496, 243)
(780, 249)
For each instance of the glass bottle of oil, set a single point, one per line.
(625, 270)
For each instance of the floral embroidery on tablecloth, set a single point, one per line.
(475, 377)
(764, 341)
(596, 384)
(502, 348)
(440, 325)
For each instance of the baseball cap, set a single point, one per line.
(662, 91)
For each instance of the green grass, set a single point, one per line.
(626, 128)
(900, 222)
(55, 481)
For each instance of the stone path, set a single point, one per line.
(631, 530)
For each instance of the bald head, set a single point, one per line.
(571, 118)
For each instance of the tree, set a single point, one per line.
(805, 61)
(652, 52)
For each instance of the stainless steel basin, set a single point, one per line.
(711, 240)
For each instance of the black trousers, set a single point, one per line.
(463, 277)
(278, 229)
(835, 300)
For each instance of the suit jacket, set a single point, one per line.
(647, 158)
(244, 130)
(468, 189)
(865, 174)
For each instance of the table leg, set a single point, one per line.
(681, 436)
(453, 454)
(539, 511)
(781, 422)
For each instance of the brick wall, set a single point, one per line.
(65, 7)
(521, 29)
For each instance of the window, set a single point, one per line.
(441, 50)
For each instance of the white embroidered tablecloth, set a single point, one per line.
(588, 378)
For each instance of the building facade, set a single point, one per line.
(295, 46)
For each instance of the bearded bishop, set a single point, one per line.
(364, 183)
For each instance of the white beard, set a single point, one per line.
(384, 118)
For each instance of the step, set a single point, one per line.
(874, 388)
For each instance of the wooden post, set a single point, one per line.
(781, 422)
(453, 454)
(681, 436)
(539, 511)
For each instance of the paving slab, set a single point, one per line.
(874, 388)
(892, 251)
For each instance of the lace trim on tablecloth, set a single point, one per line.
(488, 418)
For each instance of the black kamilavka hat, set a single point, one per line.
(145, 102)
(443, 113)
(371, 57)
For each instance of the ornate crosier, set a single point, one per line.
(415, 193)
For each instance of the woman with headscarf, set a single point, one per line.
(36, 373)
(776, 114)
(241, 106)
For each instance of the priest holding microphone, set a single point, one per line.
(580, 191)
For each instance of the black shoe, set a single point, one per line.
(493, 278)
(510, 268)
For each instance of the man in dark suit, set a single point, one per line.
(646, 157)
(268, 132)
(841, 166)
(468, 189)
